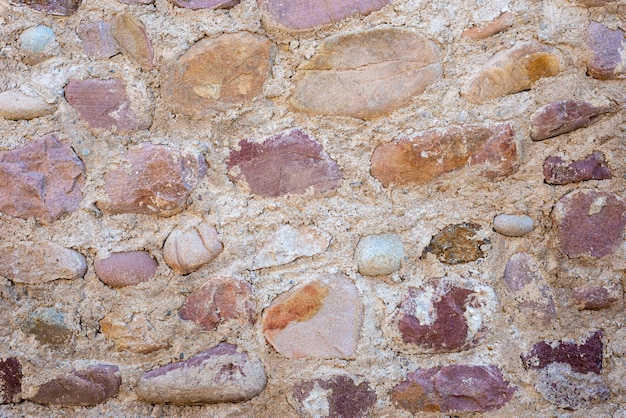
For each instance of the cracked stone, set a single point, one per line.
(457, 244)
(189, 247)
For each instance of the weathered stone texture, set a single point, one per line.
(563, 116)
(457, 244)
(500, 24)
(10, 380)
(592, 167)
(596, 297)
(126, 269)
(53, 7)
(132, 37)
(97, 39)
(17, 106)
(205, 4)
(379, 255)
(49, 327)
(189, 247)
(608, 48)
(137, 335)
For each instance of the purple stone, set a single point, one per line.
(607, 47)
(561, 117)
(10, 380)
(97, 39)
(53, 7)
(596, 297)
(592, 167)
(205, 4)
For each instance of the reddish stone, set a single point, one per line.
(97, 39)
(87, 387)
(454, 388)
(105, 104)
(595, 297)
(338, 395)
(607, 47)
(457, 244)
(205, 4)
(589, 222)
(220, 299)
(137, 1)
(306, 14)
(42, 179)
(10, 380)
(432, 153)
(126, 269)
(563, 116)
(501, 23)
(155, 179)
(594, 3)
(592, 167)
(53, 7)
(289, 162)
(130, 34)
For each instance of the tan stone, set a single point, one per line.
(215, 74)
(289, 243)
(130, 34)
(137, 335)
(189, 247)
(16, 106)
(366, 74)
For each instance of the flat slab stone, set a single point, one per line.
(322, 318)
(306, 14)
(367, 74)
(290, 162)
(489, 150)
(126, 268)
(53, 7)
(17, 106)
(217, 73)
(10, 380)
(593, 167)
(190, 246)
(288, 244)
(137, 334)
(608, 48)
(42, 179)
(205, 4)
(563, 116)
(219, 374)
(154, 179)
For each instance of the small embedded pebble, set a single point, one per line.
(35, 42)
(513, 225)
(379, 255)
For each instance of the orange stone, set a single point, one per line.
(130, 34)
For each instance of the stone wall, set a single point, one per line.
(383, 208)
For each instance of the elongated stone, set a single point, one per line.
(219, 374)
(595, 298)
(306, 14)
(367, 74)
(205, 4)
(97, 39)
(583, 358)
(126, 269)
(10, 380)
(592, 167)
(513, 225)
(490, 150)
(17, 106)
(608, 48)
(189, 247)
(132, 37)
(288, 244)
(563, 116)
(53, 7)
(501, 23)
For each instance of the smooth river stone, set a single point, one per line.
(30, 262)
(379, 255)
(609, 52)
(513, 225)
(306, 14)
(189, 247)
(37, 44)
(17, 106)
(367, 74)
(205, 4)
(592, 167)
(137, 334)
(490, 150)
(290, 162)
(132, 37)
(563, 116)
(217, 73)
(589, 222)
(288, 244)
(322, 318)
(126, 269)
(514, 70)
(53, 7)
(219, 374)
(10, 380)
(42, 179)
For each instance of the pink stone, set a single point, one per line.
(42, 179)
(205, 4)
(322, 318)
(596, 297)
(563, 116)
(289, 162)
(189, 247)
(10, 380)
(126, 269)
(154, 179)
(105, 104)
(219, 300)
(589, 222)
(592, 167)
(306, 14)
(607, 46)
(53, 7)
(97, 39)
(490, 150)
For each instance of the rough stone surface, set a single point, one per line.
(132, 37)
(337, 396)
(40, 262)
(53, 7)
(126, 269)
(514, 70)
(531, 294)
(188, 247)
(205, 4)
(219, 300)
(86, 387)
(444, 316)
(501, 23)
(288, 244)
(596, 297)
(367, 74)
(608, 49)
(563, 116)
(379, 255)
(306, 14)
(42, 179)
(457, 244)
(215, 74)
(49, 327)
(219, 374)
(104, 104)
(10, 380)
(583, 358)
(290, 162)
(589, 222)
(155, 179)
(513, 225)
(322, 318)
(97, 39)
(137, 335)
(592, 167)
(454, 388)
(17, 106)
(491, 150)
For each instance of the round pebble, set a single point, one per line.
(379, 255)
(35, 40)
(513, 225)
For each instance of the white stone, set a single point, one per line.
(189, 247)
(513, 225)
(379, 255)
(16, 106)
(288, 244)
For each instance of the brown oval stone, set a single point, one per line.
(126, 269)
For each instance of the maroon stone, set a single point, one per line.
(594, 3)
(126, 269)
(289, 162)
(137, 1)
(205, 4)
(583, 358)
(91, 386)
(43, 179)
(10, 380)
(104, 104)
(53, 7)
(97, 39)
(595, 297)
(156, 180)
(592, 167)
(589, 222)
(454, 388)
(346, 398)
(607, 47)
(561, 117)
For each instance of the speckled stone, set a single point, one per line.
(379, 255)
(49, 327)
(457, 244)
(563, 116)
(608, 49)
(17, 106)
(513, 225)
(137, 334)
(126, 268)
(10, 380)
(593, 167)
(190, 246)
